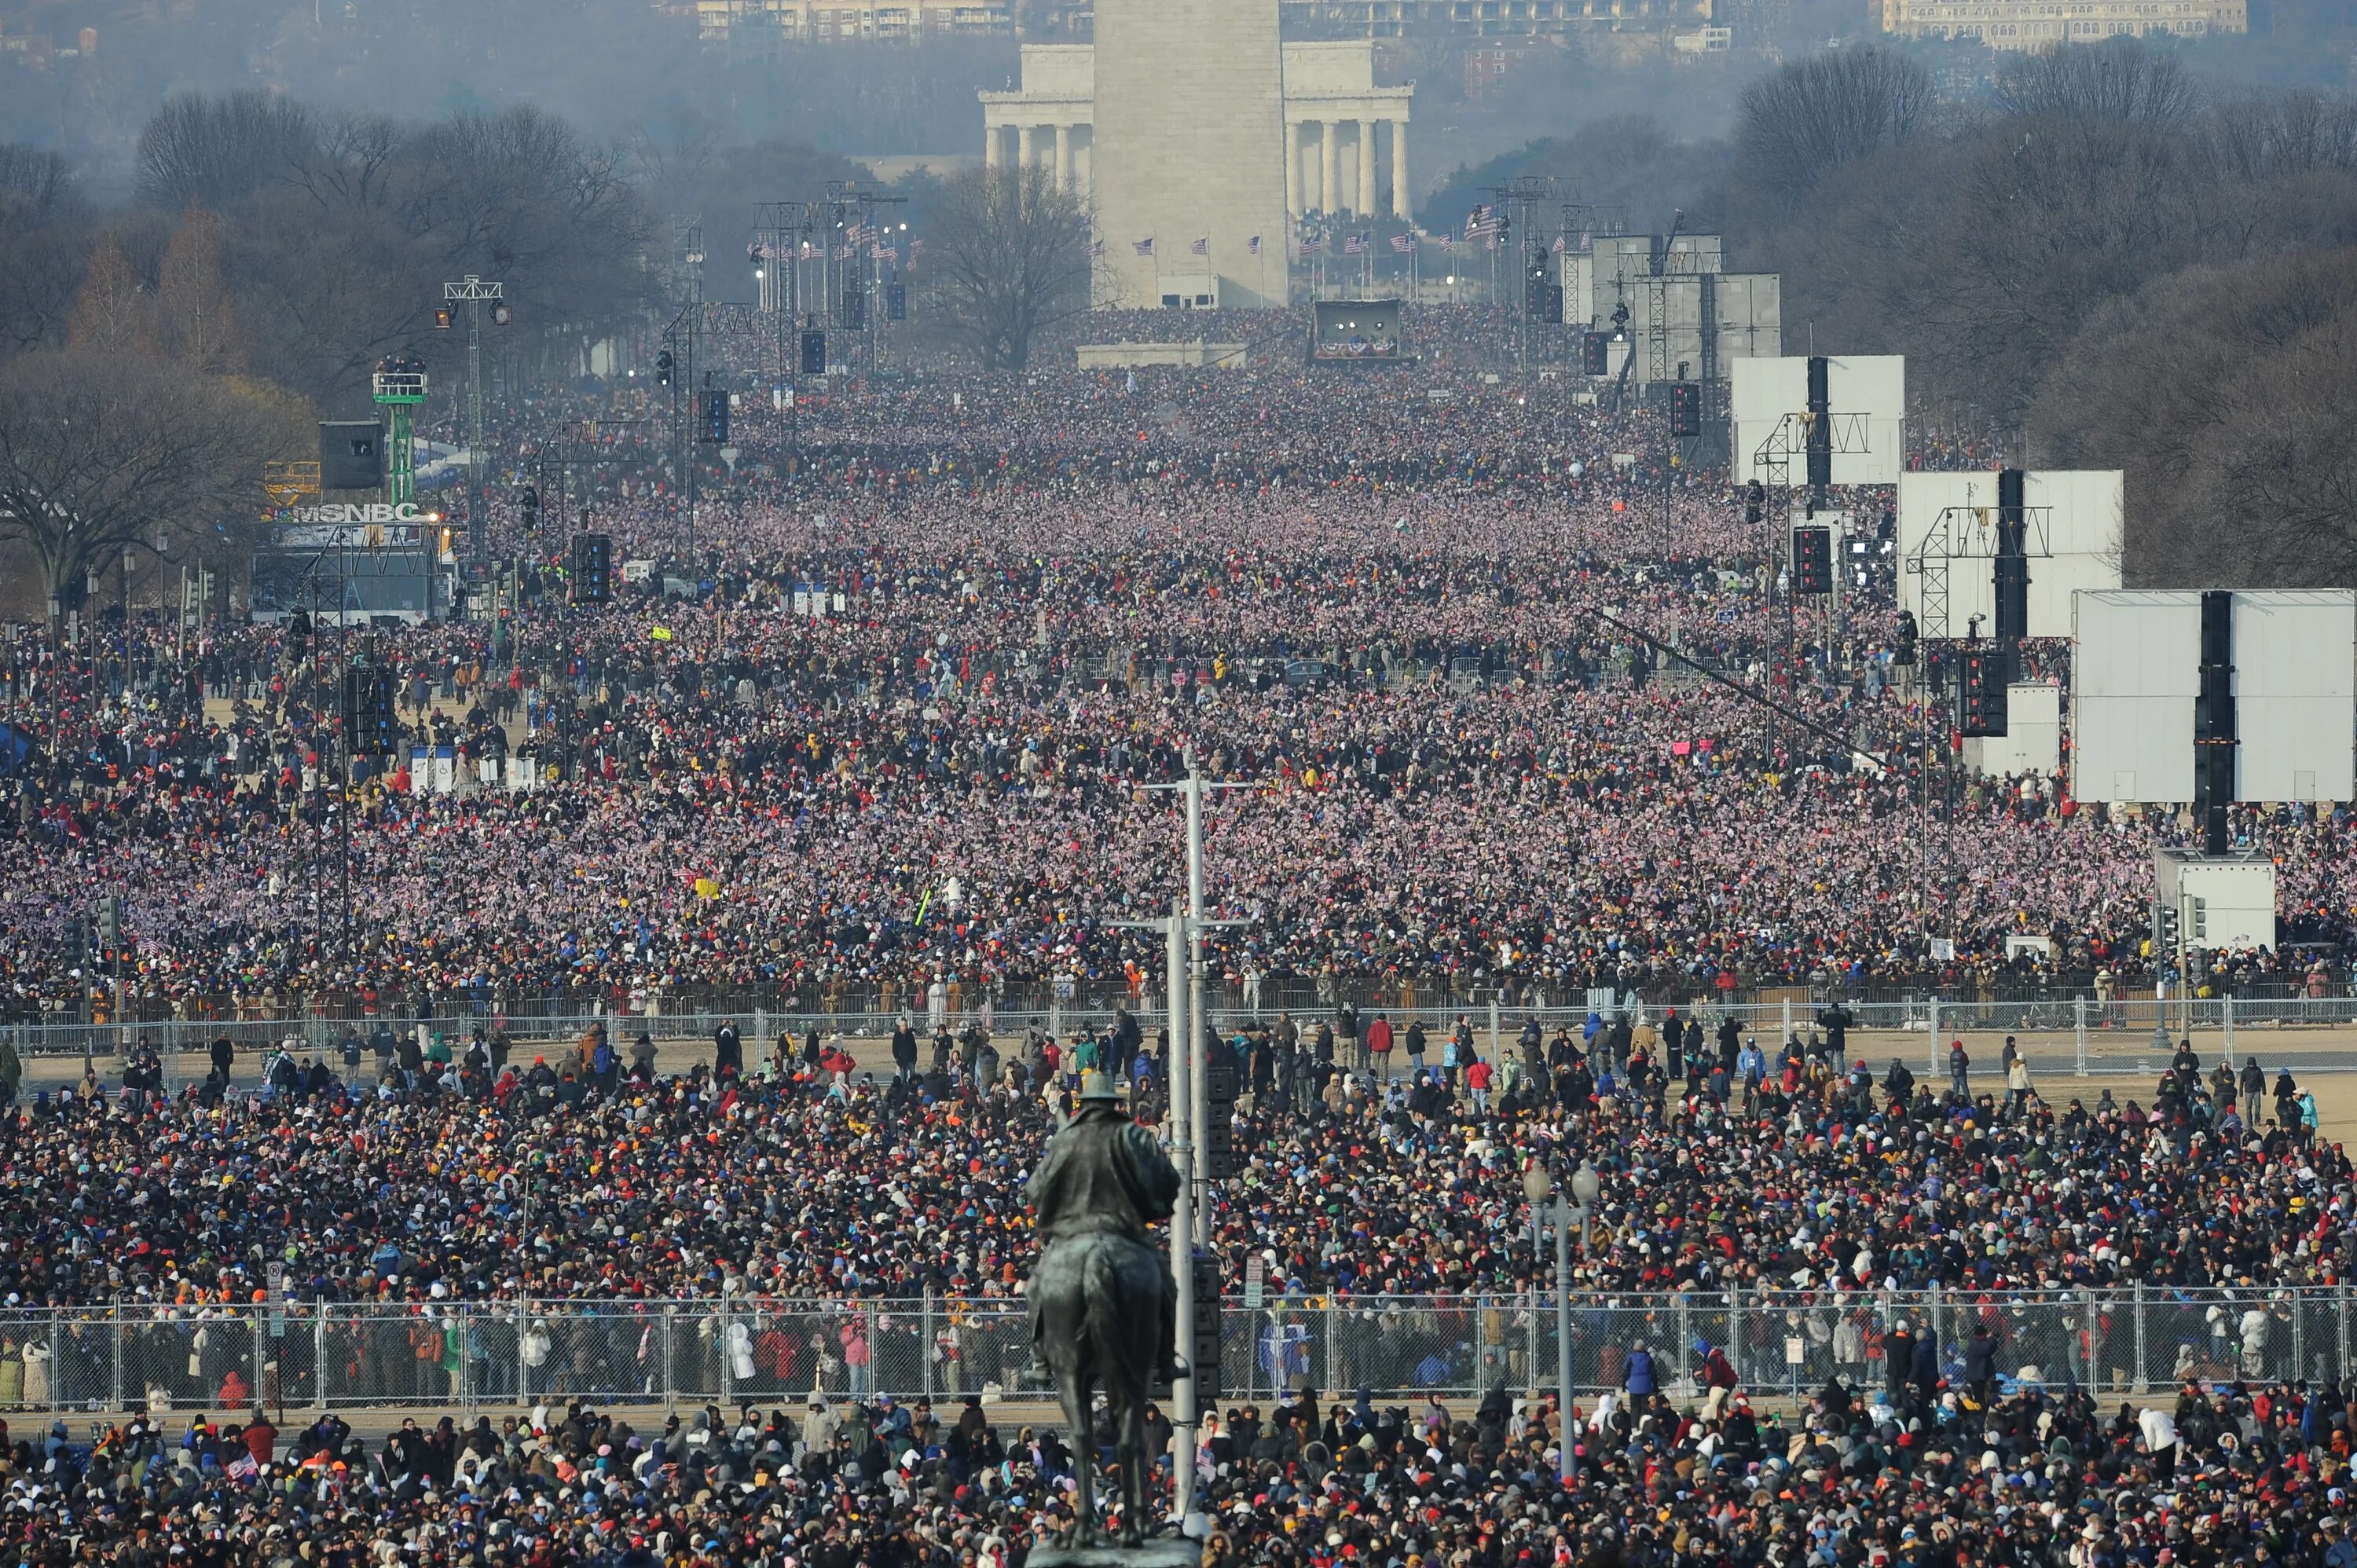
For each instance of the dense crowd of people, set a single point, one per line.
(1900, 1474)
(1380, 1163)
(800, 1180)
(940, 631)
(874, 732)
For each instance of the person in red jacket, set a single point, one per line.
(1379, 1048)
(261, 1437)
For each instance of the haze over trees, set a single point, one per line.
(2113, 266)
(2039, 253)
(2105, 260)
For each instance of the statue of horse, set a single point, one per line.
(1100, 1301)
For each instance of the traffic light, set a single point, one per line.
(1203, 1355)
(370, 726)
(855, 310)
(593, 575)
(712, 417)
(531, 504)
(1813, 559)
(442, 319)
(895, 302)
(1755, 502)
(1905, 652)
(1685, 411)
(1981, 680)
(1219, 1129)
(2164, 929)
(663, 366)
(110, 923)
(1595, 354)
(813, 360)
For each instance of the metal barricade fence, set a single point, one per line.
(450, 1356)
(2056, 1033)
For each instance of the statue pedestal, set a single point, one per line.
(1164, 1552)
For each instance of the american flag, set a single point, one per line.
(1143, 247)
(1201, 247)
(1448, 241)
(1308, 247)
(1482, 219)
(1404, 244)
(1252, 244)
(855, 233)
(1558, 246)
(887, 253)
(1354, 244)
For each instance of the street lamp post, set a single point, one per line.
(1584, 1185)
(1538, 1186)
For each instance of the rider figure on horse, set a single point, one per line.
(1105, 1176)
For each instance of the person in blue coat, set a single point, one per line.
(1638, 1378)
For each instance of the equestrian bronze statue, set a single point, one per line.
(1103, 1304)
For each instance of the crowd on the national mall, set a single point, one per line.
(874, 735)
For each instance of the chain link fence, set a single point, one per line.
(457, 1357)
(2061, 1034)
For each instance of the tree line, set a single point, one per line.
(274, 254)
(2106, 262)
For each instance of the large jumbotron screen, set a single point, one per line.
(1355, 331)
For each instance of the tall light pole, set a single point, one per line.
(1190, 1110)
(473, 294)
(1185, 1402)
(1192, 787)
(1186, 1406)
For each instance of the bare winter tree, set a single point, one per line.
(112, 311)
(219, 151)
(2226, 394)
(2121, 79)
(1008, 255)
(36, 188)
(43, 243)
(1813, 115)
(98, 450)
(196, 322)
(2263, 136)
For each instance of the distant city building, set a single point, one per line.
(2036, 24)
(725, 20)
(1487, 18)
(721, 20)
